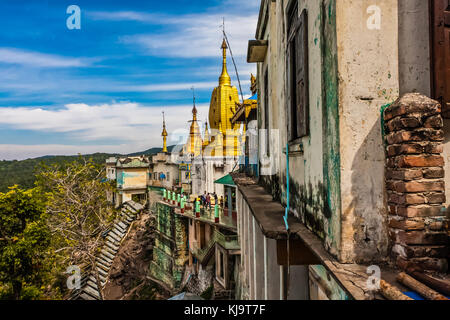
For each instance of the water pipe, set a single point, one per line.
(287, 189)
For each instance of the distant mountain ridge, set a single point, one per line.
(22, 172)
(148, 152)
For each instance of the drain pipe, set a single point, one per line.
(287, 224)
(287, 189)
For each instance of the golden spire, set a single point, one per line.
(194, 110)
(194, 144)
(164, 135)
(224, 77)
(206, 136)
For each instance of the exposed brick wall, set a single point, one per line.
(415, 182)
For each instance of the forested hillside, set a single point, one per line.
(23, 172)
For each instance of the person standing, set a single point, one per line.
(208, 201)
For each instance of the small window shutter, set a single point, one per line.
(302, 85)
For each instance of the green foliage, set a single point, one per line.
(22, 173)
(77, 207)
(24, 244)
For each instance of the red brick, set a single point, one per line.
(420, 211)
(426, 251)
(436, 226)
(419, 186)
(434, 122)
(400, 123)
(433, 173)
(407, 224)
(435, 198)
(420, 238)
(420, 161)
(414, 198)
(424, 134)
(433, 147)
(412, 103)
(409, 174)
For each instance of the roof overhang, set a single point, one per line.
(257, 50)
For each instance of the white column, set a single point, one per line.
(266, 271)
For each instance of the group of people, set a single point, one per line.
(205, 199)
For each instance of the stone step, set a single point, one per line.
(114, 236)
(100, 265)
(111, 251)
(123, 225)
(118, 233)
(112, 246)
(92, 284)
(86, 296)
(92, 292)
(102, 272)
(106, 253)
(113, 241)
(105, 258)
(119, 229)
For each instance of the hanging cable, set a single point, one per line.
(232, 58)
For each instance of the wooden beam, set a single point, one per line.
(419, 287)
(299, 254)
(433, 283)
(391, 292)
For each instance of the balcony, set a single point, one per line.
(226, 220)
(229, 242)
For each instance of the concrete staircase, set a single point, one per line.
(89, 286)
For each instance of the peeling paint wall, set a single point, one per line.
(369, 78)
(414, 47)
(132, 178)
(314, 173)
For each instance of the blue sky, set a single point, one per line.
(103, 88)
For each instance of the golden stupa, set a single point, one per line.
(224, 101)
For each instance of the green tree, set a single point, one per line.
(24, 244)
(79, 213)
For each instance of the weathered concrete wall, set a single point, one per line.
(368, 73)
(170, 253)
(308, 193)
(414, 47)
(164, 167)
(132, 178)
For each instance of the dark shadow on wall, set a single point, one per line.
(369, 204)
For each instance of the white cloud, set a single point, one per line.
(191, 35)
(168, 87)
(36, 59)
(128, 124)
(126, 16)
(198, 36)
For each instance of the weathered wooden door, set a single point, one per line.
(440, 29)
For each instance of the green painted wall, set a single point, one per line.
(170, 254)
